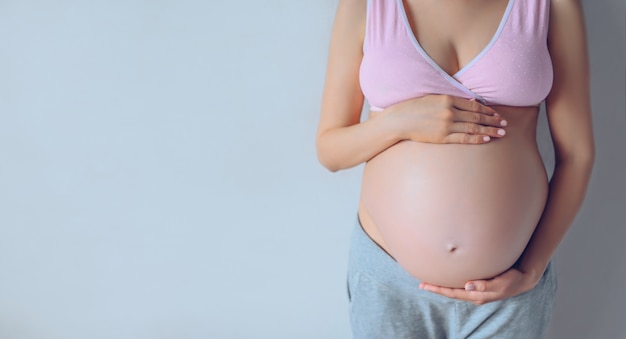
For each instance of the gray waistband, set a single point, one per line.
(367, 257)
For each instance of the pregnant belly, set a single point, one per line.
(452, 213)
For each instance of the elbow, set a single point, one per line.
(587, 155)
(582, 157)
(326, 160)
(590, 158)
(330, 167)
(324, 156)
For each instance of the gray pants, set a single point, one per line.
(386, 303)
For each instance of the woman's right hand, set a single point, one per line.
(445, 119)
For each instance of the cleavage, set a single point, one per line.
(453, 33)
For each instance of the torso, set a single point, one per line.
(453, 213)
(468, 28)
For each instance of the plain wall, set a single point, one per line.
(158, 175)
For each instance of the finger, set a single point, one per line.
(477, 286)
(456, 293)
(472, 128)
(464, 138)
(478, 298)
(479, 118)
(472, 105)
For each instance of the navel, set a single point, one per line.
(451, 247)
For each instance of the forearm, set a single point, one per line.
(346, 147)
(567, 191)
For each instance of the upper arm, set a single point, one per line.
(342, 99)
(568, 105)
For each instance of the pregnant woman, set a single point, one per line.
(457, 221)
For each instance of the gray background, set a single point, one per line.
(158, 176)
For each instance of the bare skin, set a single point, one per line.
(343, 141)
(413, 205)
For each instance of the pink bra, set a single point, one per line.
(514, 68)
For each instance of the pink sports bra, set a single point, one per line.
(514, 69)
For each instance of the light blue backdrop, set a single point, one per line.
(158, 175)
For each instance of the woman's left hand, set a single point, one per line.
(508, 284)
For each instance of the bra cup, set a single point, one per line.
(514, 70)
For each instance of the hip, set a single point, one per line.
(385, 302)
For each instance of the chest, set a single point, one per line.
(453, 33)
(492, 54)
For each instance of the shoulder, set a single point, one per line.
(565, 2)
(566, 21)
(568, 48)
(354, 2)
(350, 20)
(565, 7)
(355, 9)
(356, 5)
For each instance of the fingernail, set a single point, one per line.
(501, 132)
(503, 123)
(486, 138)
(495, 114)
(470, 287)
